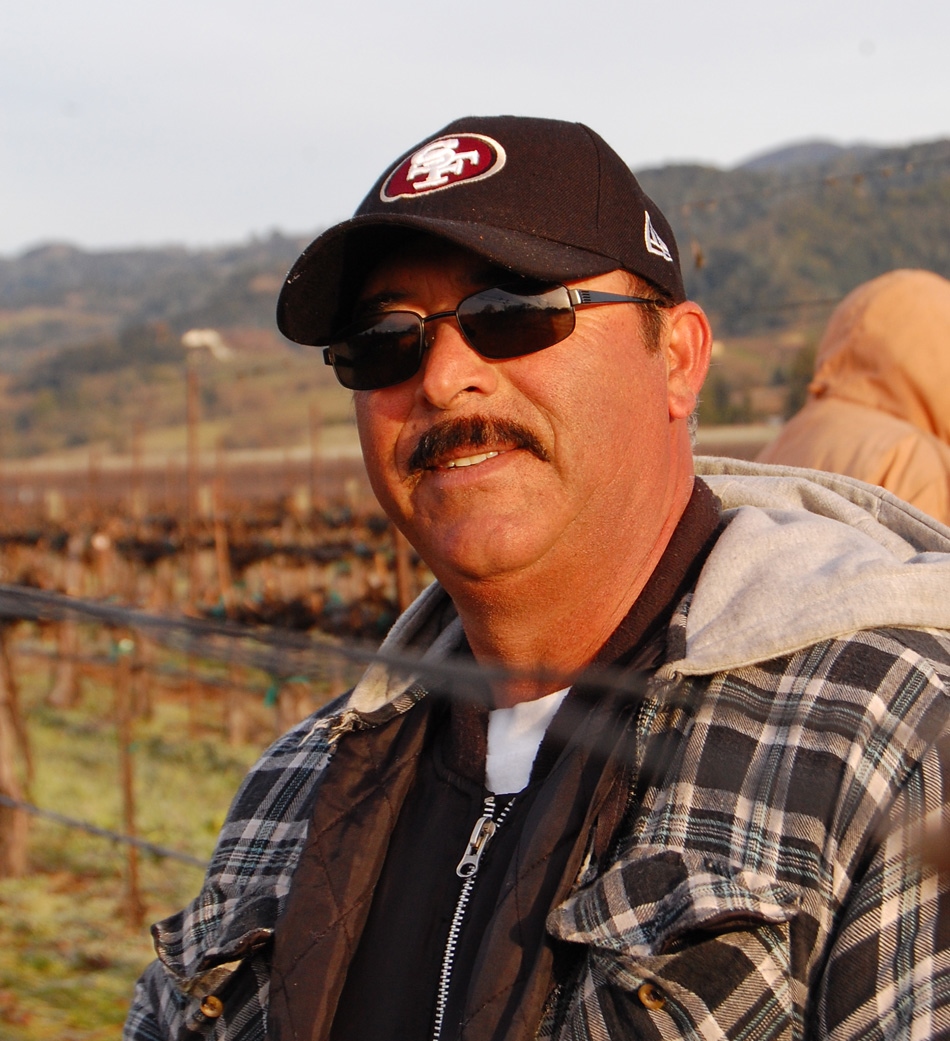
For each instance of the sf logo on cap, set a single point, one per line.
(443, 163)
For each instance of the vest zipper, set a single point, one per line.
(484, 831)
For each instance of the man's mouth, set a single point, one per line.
(456, 443)
(470, 460)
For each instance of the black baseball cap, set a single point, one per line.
(542, 198)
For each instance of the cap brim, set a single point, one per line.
(327, 275)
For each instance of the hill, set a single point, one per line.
(809, 221)
(761, 246)
(90, 342)
(805, 154)
(58, 295)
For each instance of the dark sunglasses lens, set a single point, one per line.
(511, 320)
(378, 352)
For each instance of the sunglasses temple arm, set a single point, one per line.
(589, 297)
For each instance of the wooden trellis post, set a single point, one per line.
(64, 682)
(222, 557)
(235, 708)
(316, 424)
(134, 906)
(14, 823)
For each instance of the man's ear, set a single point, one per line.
(688, 350)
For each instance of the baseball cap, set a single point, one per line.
(542, 198)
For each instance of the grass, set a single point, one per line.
(69, 957)
(251, 402)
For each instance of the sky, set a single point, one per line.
(206, 122)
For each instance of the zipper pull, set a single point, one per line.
(481, 835)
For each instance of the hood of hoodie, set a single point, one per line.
(805, 556)
(887, 346)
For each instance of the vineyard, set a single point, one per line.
(157, 631)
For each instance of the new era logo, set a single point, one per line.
(654, 243)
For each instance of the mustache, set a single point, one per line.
(471, 432)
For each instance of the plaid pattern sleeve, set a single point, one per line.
(888, 973)
(218, 946)
(771, 883)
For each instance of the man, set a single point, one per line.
(667, 760)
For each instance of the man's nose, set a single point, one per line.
(451, 367)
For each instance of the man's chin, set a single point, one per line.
(477, 551)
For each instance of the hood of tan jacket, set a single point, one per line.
(879, 404)
(887, 346)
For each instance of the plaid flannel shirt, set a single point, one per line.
(767, 882)
(771, 883)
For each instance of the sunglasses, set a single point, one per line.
(506, 321)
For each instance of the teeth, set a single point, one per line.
(471, 460)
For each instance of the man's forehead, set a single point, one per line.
(405, 265)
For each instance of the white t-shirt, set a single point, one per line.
(514, 737)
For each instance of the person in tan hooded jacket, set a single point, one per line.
(879, 402)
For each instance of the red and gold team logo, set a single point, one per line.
(443, 163)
